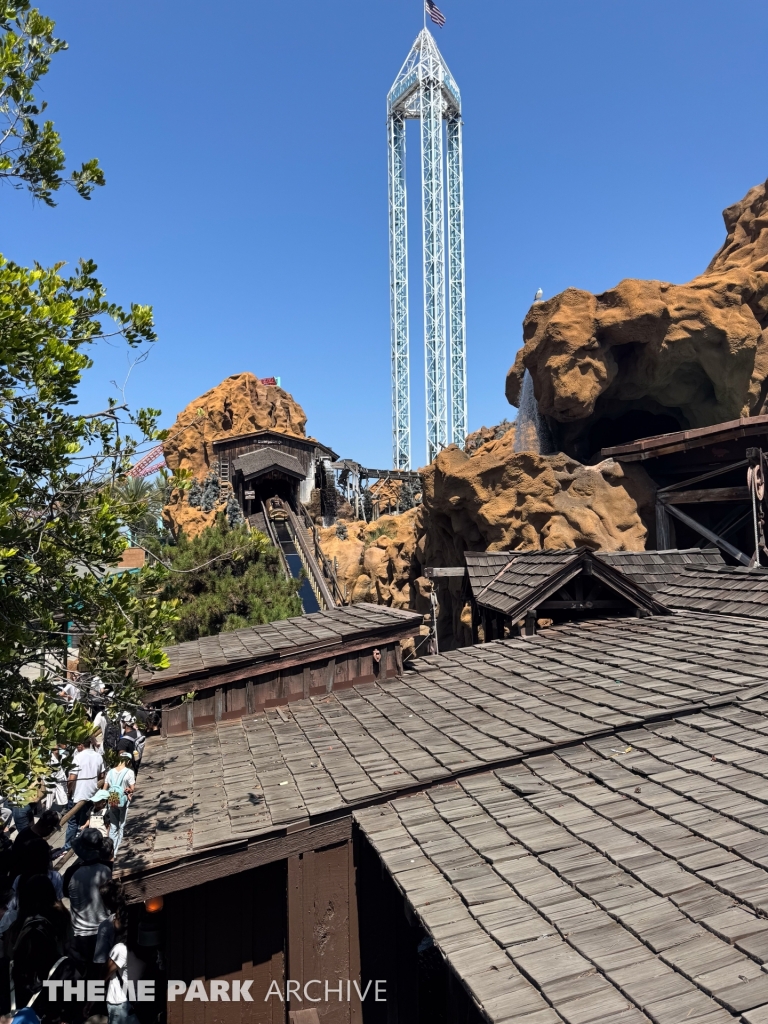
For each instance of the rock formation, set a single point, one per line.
(494, 499)
(648, 357)
(239, 405)
(483, 435)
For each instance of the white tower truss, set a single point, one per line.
(425, 90)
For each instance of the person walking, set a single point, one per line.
(84, 776)
(119, 1008)
(83, 884)
(38, 937)
(45, 826)
(119, 782)
(99, 726)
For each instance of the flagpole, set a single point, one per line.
(424, 5)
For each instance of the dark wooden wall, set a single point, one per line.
(227, 454)
(233, 928)
(294, 919)
(322, 929)
(247, 696)
(421, 988)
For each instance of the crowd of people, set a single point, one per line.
(63, 915)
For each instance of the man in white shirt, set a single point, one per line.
(70, 693)
(99, 728)
(84, 777)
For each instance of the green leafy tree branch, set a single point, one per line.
(30, 148)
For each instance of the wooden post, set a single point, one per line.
(663, 527)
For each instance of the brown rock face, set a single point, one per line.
(483, 435)
(648, 357)
(239, 405)
(499, 500)
(494, 499)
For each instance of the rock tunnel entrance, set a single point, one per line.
(628, 427)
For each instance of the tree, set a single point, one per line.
(62, 519)
(224, 579)
(30, 149)
(144, 499)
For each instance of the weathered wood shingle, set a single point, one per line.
(627, 875)
(453, 714)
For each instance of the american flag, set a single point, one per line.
(435, 13)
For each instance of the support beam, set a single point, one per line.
(457, 345)
(434, 266)
(703, 476)
(398, 263)
(707, 494)
(664, 539)
(719, 542)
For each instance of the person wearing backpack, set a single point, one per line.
(111, 735)
(38, 938)
(119, 785)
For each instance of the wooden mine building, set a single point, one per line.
(269, 463)
(568, 826)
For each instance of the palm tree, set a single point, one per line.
(142, 495)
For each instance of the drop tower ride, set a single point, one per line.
(425, 90)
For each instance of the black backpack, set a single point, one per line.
(111, 735)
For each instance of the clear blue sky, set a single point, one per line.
(245, 152)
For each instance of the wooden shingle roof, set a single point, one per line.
(254, 464)
(530, 578)
(299, 637)
(622, 879)
(483, 566)
(722, 590)
(237, 782)
(653, 569)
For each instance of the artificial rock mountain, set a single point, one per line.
(241, 404)
(493, 499)
(643, 358)
(648, 357)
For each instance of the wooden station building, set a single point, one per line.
(568, 826)
(269, 463)
(247, 670)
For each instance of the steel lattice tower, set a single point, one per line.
(425, 90)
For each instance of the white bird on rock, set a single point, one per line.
(538, 295)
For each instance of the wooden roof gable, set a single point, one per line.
(483, 566)
(254, 464)
(533, 579)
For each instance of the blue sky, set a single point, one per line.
(245, 152)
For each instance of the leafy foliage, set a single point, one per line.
(225, 579)
(144, 500)
(30, 148)
(62, 520)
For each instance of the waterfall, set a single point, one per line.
(531, 431)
